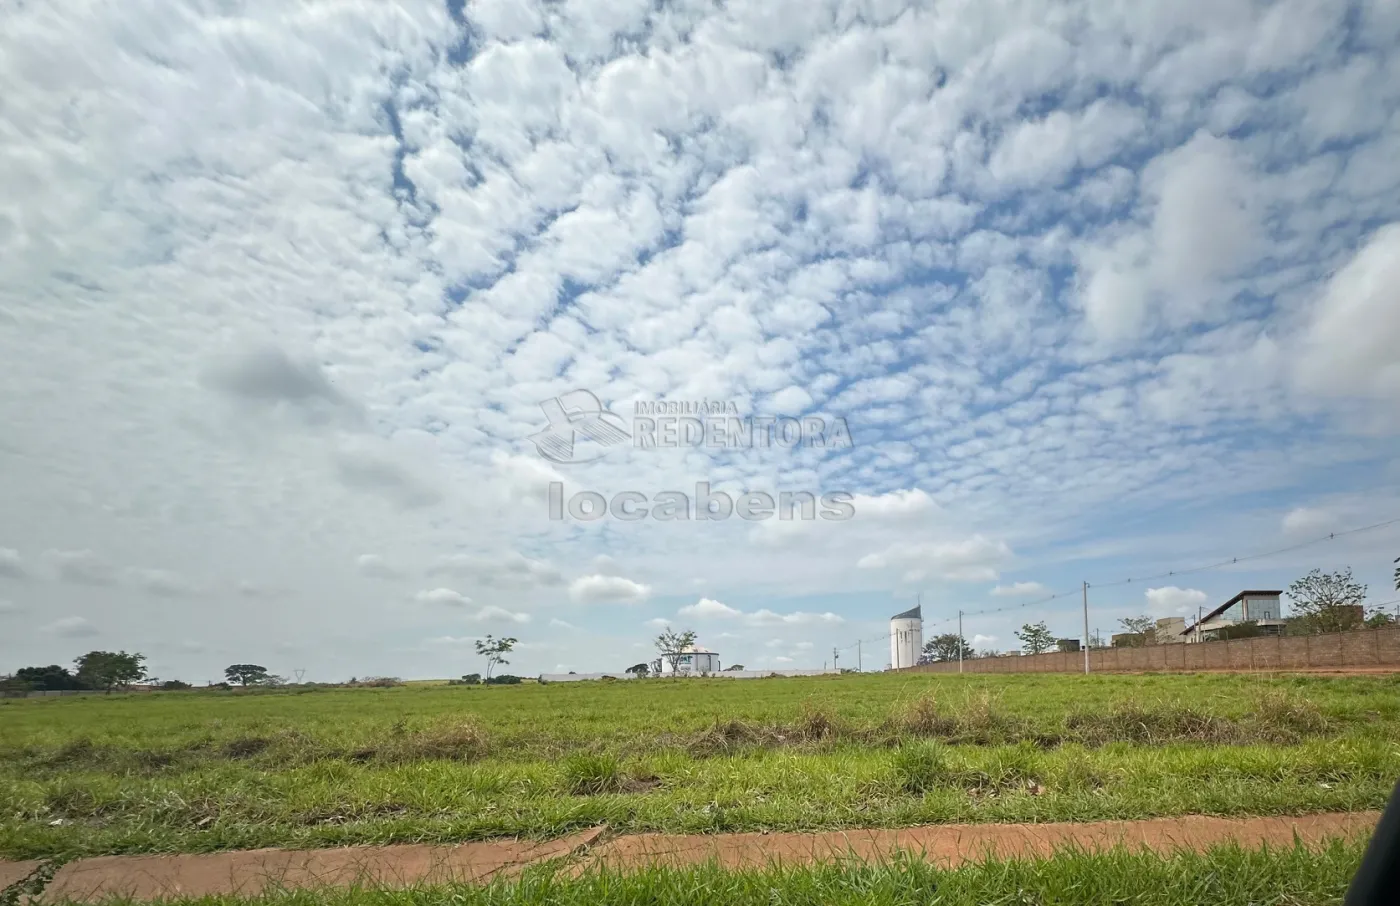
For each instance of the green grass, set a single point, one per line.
(204, 771)
(1225, 876)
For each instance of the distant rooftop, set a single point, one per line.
(916, 614)
(1226, 606)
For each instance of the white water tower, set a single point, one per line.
(906, 638)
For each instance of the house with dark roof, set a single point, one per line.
(1251, 606)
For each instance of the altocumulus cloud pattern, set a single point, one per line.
(282, 287)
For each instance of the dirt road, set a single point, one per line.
(251, 871)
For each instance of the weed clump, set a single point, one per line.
(922, 718)
(456, 742)
(245, 746)
(1131, 721)
(920, 766)
(726, 737)
(587, 774)
(816, 724)
(1279, 717)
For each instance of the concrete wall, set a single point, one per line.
(1360, 648)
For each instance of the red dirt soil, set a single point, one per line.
(250, 872)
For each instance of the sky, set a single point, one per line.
(1101, 290)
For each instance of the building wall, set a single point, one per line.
(1360, 648)
(906, 642)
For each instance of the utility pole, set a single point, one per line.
(835, 656)
(1086, 628)
(960, 641)
(858, 667)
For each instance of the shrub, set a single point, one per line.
(505, 679)
(175, 684)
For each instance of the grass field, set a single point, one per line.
(199, 771)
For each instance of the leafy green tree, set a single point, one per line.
(174, 684)
(52, 678)
(246, 674)
(639, 669)
(1327, 602)
(1035, 637)
(734, 668)
(672, 646)
(946, 647)
(108, 670)
(494, 650)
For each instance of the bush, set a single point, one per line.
(173, 684)
(505, 679)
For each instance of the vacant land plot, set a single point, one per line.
(204, 771)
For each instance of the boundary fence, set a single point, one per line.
(1357, 649)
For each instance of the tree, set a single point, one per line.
(672, 646)
(734, 668)
(108, 670)
(1035, 637)
(946, 647)
(1143, 624)
(1397, 575)
(1327, 602)
(639, 669)
(246, 674)
(494, 650)
(174, 684)
(1379, 619)
(52, 678)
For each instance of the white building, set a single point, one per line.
(694, 660)
(906, 638)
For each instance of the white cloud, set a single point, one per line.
(509, 570)
(766, 617)
(7, 606)
(493, 614)
(607, 590)
(80, 567)
(982, 642)
(1020, 589)
(1307, 521)
(975, 559)
(657, 623)
(11, 565)
(706, 607)
(161, 582)
(1350, 342)
(1173, 601)
(71, 627)
(373, 566)
(448, 596)
(561, 624)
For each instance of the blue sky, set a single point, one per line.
(1102, 291)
